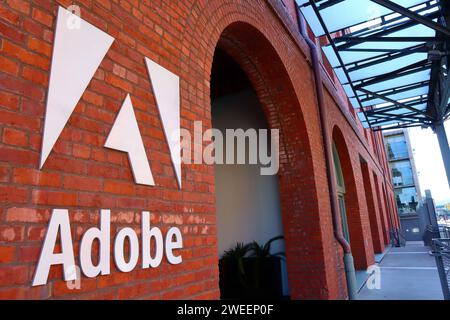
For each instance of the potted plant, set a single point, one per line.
(265, 281)
(233, 282)
(251, 271)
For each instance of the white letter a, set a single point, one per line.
(58, 221)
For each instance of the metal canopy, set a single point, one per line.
(391, 57)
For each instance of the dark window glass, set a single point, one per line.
(406, 199)
(345, 230)
(402, 174)
(341, 193)
(396, 147)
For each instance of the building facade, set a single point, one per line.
(403, 170)
(219, 54)
(408, 196)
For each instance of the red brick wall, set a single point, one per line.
(84, 177)
(381, 208)
(356, 210)
(375, 222)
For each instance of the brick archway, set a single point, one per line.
(354, 221)
(314, 268)
(376, 226)
(249, 48)
(387, 208)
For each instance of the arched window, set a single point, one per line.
(341, 193)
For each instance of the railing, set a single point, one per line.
(444, 232)
(441, 252)
(431, 233)
(397, 238)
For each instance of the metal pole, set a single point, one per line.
(439, 129)
(431, 209)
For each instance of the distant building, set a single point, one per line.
(406, 183)
(404, 174)
(443, 212)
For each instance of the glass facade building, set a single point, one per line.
(404, 176)
(397, 147)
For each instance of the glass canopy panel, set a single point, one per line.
(422, 106)
(313, 21)
(387, 122)
(384, 46)
(417, 30)
(394, 68)
(399, 111)
(400, 81)
(355, 103)
(383, 67)
(348, 90)
(331, 56)
(381, 46)
(341, 75)
(363, 120)
(351, 56)
(345, 14)
(397, 96)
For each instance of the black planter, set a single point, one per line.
(261, 278)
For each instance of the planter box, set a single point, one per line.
(261, 279)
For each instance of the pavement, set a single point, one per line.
(406, 273)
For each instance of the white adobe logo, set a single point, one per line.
(77, 54)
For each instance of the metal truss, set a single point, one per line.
(409, 110)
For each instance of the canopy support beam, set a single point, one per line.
(439, 129)
(413, 16)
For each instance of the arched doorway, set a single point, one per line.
(387, 208)
(308, 238)
(381, 210)
(247, 202)
(375, 222)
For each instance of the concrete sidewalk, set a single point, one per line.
(407, 273)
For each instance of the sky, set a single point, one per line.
(429, 164)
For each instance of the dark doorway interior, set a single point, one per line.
(247, 203)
